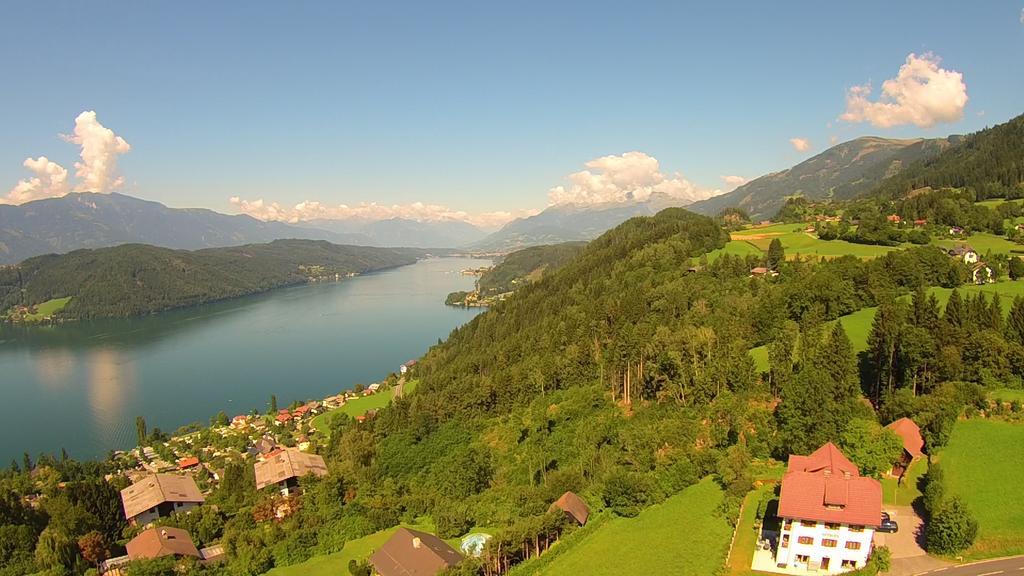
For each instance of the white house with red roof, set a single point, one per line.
(828, 512)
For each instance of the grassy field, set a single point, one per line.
(857, 326)
(983, 243)
(743, 546)
(47, 309)
(337, 564)
(905, 494)
(1006, 395)
(735, 248)
(362, 405)
(983, 464)
(681, 536)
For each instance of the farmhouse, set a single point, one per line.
(829, 513)
(411, 552)
(285, 467)
(159, 495)
(913, 444)
(982, 274)
(965, 253)
(407, 366)
(161, 541)
(573, 506)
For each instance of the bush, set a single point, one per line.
(359, 568)
(451, 520)
(626, 493)
(951, 529)
(934, 489)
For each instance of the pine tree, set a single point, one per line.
(140, 430)
(995, 313)
(841, 363)
(883, 347)
(776, 254)
(1015, 321)
(955, 313)
(273, 403)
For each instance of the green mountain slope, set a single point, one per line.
(135, 279)
(516, 270)
(841, 172)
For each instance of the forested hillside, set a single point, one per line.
(989, 163)
(135, 279)
(517, 270)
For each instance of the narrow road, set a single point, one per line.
(1013, 566)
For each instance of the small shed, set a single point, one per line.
(573, 506)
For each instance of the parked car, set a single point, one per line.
(888, 524)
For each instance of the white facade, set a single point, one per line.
(970, 257)
(829, 548)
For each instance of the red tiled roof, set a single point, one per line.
(827, 487)
(909, 432)
(188, 462)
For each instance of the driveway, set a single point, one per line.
(908, 556)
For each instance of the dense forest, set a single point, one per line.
(135, 279)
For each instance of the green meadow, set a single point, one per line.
(983, 464)
(361, 405)
(682, 536)
(337, 564)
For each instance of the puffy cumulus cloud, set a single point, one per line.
(921, 94)
(631, 176)
(100, 148)
(313, 210)
(734, 181)
(800, 144)
(50, 180)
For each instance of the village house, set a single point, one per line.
(913, 444)
(828, 513)
(573, 506)
(956, 231)
(920, 222)
(893, 219)
(239, 422)
(157, 543)
(188, 462)
(964, 253)
(285, 467)
(761, 271)
(410, 552)
(158, 496)
(981, 273)
(407, 366)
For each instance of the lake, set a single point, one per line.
(79, 386)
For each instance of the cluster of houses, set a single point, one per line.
(981, 273)
(829, 513)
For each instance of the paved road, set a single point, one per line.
(1004, 567)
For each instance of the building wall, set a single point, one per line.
(154, 513)
(816, 550)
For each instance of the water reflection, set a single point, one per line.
(53, 368)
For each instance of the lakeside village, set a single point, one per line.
(173, 474)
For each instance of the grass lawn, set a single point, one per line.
(681, 536)
(361, 405)
(984, 242)
(48, 308)
(735, 248)
(905, 494)
(1006, 395)
(857, 326)
(773, 229)
(742, 552)
(983, 464)
(337, 564)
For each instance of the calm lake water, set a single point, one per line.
(80, 386)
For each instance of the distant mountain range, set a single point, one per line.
(841, 172)
(403, 232)
(88, 220)
(569, 223)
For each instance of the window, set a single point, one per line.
(808, 523)
(805, 540)
(853, 545)
(832, 526)
(856, 528)
(785, 541)
(802, 558)
(849, 563)
(829, 543)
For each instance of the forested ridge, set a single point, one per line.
(135, 279)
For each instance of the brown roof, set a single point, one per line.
(289, 463)
(574, 506)
(827, 487)
(908, 431)
(161, 541)
(156, 489)
(414, 553)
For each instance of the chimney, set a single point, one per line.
(417, 543)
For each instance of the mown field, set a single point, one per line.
(681, 536)
(983, 464)
(361, 405)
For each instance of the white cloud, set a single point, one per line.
(733, 181)
(313, 210)
(921, 94)
(631, 176)
(51, 180)
(800, 144)
(100, 149)
(833, 140)
(97, 171)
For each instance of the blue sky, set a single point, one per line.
(479, 106)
